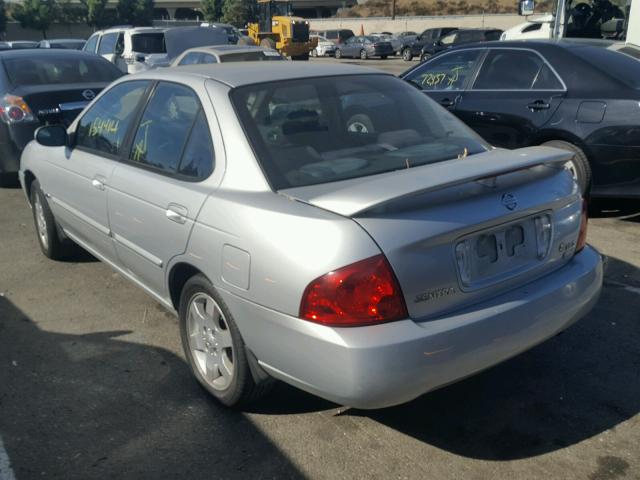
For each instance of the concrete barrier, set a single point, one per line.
(416, 24)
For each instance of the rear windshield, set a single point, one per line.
(311, 131)
(36, 70)
(148, 43)
(251, 56)
(616, 64)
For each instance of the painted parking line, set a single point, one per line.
(6, 473)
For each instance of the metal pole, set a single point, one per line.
(393, 9)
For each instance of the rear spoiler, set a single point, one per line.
(351, 197)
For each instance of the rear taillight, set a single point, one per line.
(584, 220)
(14, 109)
(362, 293)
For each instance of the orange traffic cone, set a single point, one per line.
(361, 30)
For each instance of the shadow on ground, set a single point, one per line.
(96, 406)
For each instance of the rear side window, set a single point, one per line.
(332, 35)
(198, 158)
(190, 58)
(515, 70)
(620, 66)
(103, 127)
(44, 70)
(447, 72)
(164, 130)
(207, 59)
(492, 35)
(91, 44)
(108, 43)
(148, 43)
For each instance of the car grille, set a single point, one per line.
(300, 32)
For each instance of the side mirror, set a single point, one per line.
(526, 7)
(52, 136)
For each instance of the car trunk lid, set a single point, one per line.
(460, 231)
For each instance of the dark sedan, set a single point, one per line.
(583, 96)
(43, 86)
(459, 37)
(363, 47)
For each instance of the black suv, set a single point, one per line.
(413, 47)
(453, 39)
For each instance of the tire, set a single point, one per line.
(407, 56)
(424, 57)
(383, 57)
(360, 123)
(268, 43)
(246, 41)
(579, 165)
(314, 53)
(338, 54)
(214, 347)
(303, 57)
(49, 239)
(363, 54)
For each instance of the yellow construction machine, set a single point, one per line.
(277, 28)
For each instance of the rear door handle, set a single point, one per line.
(177, 213)
(98, 182)
(538, 105)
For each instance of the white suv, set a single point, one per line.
(128, 48)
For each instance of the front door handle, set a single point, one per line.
(98, 182)
(447, 102)
(538, 105)
(177, 213)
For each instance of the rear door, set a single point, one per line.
(515, 93)
(77, 182)
(156, 194)
(445, 77)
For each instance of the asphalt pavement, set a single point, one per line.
(93, 384)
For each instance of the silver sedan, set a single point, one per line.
(325, 225)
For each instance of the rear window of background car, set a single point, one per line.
(447, 72)
(44, 70)
(515, 70)
(172, 120)
(103, 127)
(148, 43)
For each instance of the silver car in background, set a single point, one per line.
(226, 53)
(326, 225)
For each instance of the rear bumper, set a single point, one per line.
(389, 364)
(13, 139)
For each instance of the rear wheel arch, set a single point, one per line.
(178, 277)
(29, 178)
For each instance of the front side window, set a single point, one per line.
(208, 59)
(515, 70)
(91, 44)
(165, 126)
(108, 44)
(319, 130)
(104, 126)
(191, 58)
(447, 72)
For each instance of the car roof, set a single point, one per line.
(54, 40)
(230, 48)
(132, 29)
(46, 52)
(248, 73)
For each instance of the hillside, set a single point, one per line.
(382, 8)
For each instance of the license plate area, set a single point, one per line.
(499, 253)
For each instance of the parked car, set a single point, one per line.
(395, 41)
(43, 86)
(363, 47)
(364, 267)
(336, 36)
(5, 46)
(22, 44)
(142, 48)
(324, 48)
(459, 37)
(233, 34)
(226, 53)
(66, 43)
(582, 96)
(413, 46)
(533, 29)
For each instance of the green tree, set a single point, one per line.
(71, 12)
(236, 12)
(135, 12)
(36, 14)
(96, 16)
(212, 10)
